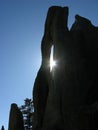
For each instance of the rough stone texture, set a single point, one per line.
(67, 97)
(15, 118)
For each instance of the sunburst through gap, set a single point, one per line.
(52, 62)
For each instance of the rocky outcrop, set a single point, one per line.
(43, 79)
(66, 98)
(15, 118)
(85, 36)
(2, 128)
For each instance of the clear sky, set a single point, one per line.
(21, 31)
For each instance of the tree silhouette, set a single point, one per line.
(27, 111)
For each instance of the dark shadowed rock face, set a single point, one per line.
(43, 79)
(15, 118)
(67, 97)
(85, 37)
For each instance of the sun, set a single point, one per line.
(52, 63)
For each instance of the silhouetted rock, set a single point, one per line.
(43, 79)
(15, 118)
(2, 128)
(85, 36)
(67, 97)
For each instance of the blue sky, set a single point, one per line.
(21, 31)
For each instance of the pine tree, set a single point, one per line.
(27, 111)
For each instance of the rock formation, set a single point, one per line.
(2, 128)
(43, 79)
(66, 98)
(15, 118)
